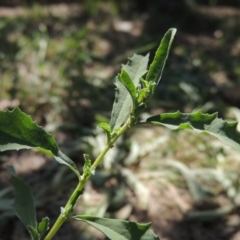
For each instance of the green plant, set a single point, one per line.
(135, 88)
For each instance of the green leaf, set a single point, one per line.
(119, 229)
(125, 79)
(87, 165)
(143, 94)
(201, 123)
(156, 68)
(64, 159)
(43, 226)
(107, 129)
(24, 204)
(33, 233)
(19, 131)
(135, 68)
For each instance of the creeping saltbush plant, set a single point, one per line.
(135, 86)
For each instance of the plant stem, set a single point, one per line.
(84, 178)
(66, 211)
(109, 145)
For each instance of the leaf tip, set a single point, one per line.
(174, 30)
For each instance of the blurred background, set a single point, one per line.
(58, 63)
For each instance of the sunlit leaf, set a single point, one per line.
(119, 229)
(19, 131)
(201, 123)
(125, 79)
(143, 94)
(106, 128)
(135, 68)
(156, 68)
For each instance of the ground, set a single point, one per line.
(58, 59)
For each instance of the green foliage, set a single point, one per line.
(133, 92)
(25, 209)
(43, 226)
(24, 203)
(156, 68)
(134, 69)
(106, 128)
(18, 131)
(125, 79)
(33, 233)
(117, 229)
(201, 123)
